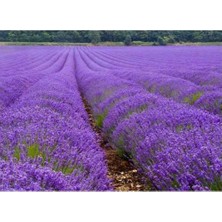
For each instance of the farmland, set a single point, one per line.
(157, 107)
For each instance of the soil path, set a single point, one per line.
(123, 174)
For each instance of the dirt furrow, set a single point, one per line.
(124, 176)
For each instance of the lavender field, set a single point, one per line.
(158, 107)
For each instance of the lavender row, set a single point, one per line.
(12, 86)
(46, 141)
(205, 93)
(176, 146)
(183, 91)
(171, 87)
(25, 59)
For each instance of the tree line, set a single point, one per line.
(156, 37)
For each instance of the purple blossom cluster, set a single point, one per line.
(177, 146)
(31, 177)
(46, 141)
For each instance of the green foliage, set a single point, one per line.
(137, 110)
(193, 98)
(94, 37)
(68, 170)
(161, 41)
(121, 152)
(216, 185)
(17, 153)
(128, 40)
(33, 151)
(142, 43)
(99, 120)
(180, 128)
(175, 183)
(120, 147)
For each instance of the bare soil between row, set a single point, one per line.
(123, 174)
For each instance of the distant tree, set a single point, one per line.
(11, 37)
(119, 36)
(157, 37)
(85, 36)
(59, 36)
(3, 35)
(141, 36)
(46, 37)
(128, 40)
(76, 36)
(24, 37)
(161, 41)
(170, 39)
(152, 36)
(106, 36)
(94, 37)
